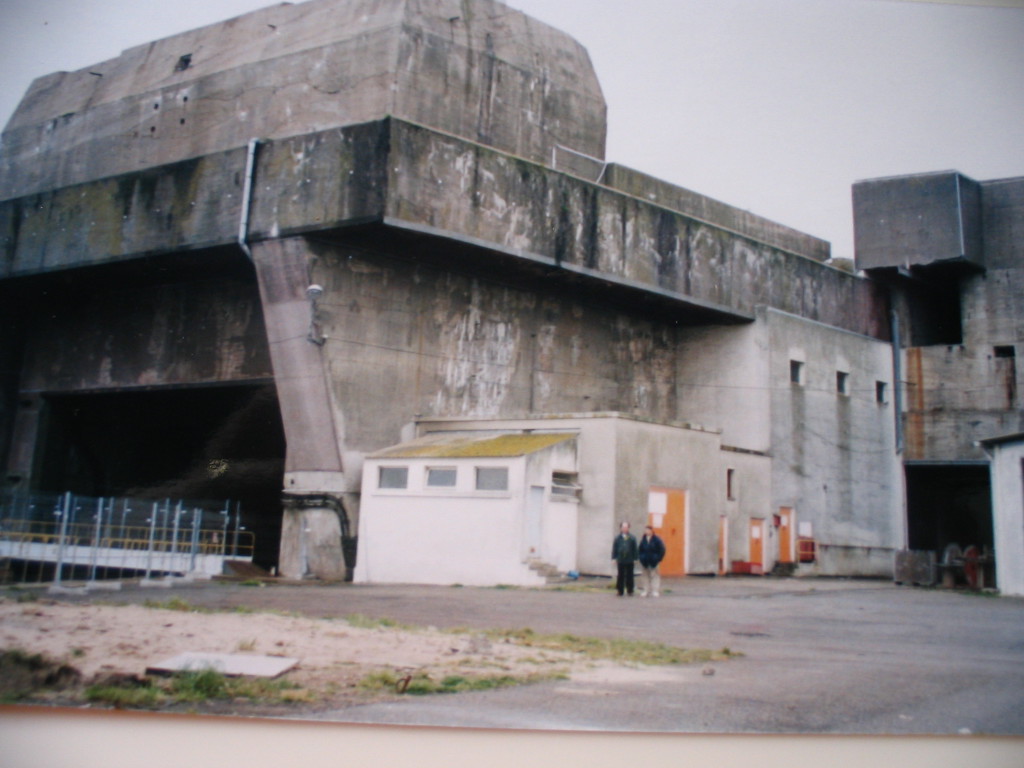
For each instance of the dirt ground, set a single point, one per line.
(333, 654)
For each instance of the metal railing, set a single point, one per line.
(94, 539)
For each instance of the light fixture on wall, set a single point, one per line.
(314, 292)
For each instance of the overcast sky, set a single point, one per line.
(775, 106)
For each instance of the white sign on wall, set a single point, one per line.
(657, 506)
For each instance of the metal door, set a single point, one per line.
(666, 513)
(757, 542)
(533, 527)
(786, 527)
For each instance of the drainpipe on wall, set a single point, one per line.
(897, 374)
(243, 223)
(897, 406)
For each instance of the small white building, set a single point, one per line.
(478, 508)
(1007, 470)
(485, 502)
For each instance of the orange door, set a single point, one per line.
(757, 541)
(786, 534)
(666, 513)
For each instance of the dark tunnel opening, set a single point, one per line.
(210, 443)
(949, 504)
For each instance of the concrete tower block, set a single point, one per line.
(474, 68)
(918, 221)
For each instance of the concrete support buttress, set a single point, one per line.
(315, 525)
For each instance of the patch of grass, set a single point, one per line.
(362, 621)
(251, 583)
(379, 681)
(422, 684)
(613, 649)
(125, 697)
(199, 685)
(192, 687)
(24, 674)
(24, 595)
(176, 604)
(264, 690)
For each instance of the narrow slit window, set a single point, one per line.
(730, 484)
(881, 394)
(796, 372)
(842, 382)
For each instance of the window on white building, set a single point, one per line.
(565, 484)
(880, 392)
(393, 477)
(492, 478)
(441, 477)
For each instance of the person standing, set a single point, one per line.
(624, 554)
(651, 550)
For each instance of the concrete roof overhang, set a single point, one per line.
(419, 194)
(416, 244)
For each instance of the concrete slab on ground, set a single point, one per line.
(230, 664)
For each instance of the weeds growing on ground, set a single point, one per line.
(618, 650)
(422, 683)
(176, 604)
(193, 687)
(362, 621)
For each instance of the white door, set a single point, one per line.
(534, 523)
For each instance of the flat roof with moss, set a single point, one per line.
(461, 445)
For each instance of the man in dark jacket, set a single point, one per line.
(624, 554)
(652, 552)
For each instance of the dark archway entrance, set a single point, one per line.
(949, 504)
(222, 442)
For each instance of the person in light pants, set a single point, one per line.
(652, 552)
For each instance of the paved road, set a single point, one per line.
(820, 656)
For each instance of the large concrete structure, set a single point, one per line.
(950, 251)
(239, 261)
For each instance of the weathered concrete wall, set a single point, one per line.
(417, 180)
(833, 455)
(917, 220)
(591, 230)
(723, 381)
(441, 343)
(176, 333)
(957, 395)
(1003, 219)
(714, 212)
(479, 69)
(186, 206)
(689, 460)
(752, 498)
(116, 330)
